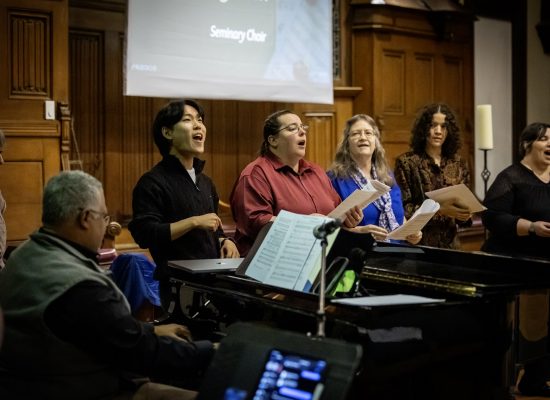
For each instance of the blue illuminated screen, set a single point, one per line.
(286, 376)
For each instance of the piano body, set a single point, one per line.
(462, 348)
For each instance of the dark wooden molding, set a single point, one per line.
(443, 20)
(103, 5)
(347, 91)
(29, 128)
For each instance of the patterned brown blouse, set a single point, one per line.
(418, 173)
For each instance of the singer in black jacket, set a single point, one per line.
(175, 204)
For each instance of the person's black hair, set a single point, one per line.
(167, 117)
(421, 130)
(271, 128)
(531, 134)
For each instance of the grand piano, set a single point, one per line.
(461, 348)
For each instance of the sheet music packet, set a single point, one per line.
(290, 255)
(464, 197)
(360, 198)
(419, 219)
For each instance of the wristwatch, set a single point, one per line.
(532, 229)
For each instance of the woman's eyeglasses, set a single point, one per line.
(360, 132)
(294, 128)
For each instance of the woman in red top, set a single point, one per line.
(280, 179)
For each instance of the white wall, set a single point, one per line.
(538, 69)
(493, 85)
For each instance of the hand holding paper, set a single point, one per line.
(360, 198)
(459, 195)
(417, 221)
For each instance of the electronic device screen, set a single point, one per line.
(286, 376)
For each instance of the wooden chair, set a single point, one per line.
(107, 252)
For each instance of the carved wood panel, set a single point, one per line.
(33, 40)
(322, 138)
(391, 85)
(29, 53)
(409, 71)
(33, 37)
(137, 149)
(87, 80)
(423, 78)
(30, 162)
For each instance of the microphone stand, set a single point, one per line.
(321, 317)
(321, 232)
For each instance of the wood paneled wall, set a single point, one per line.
(402, 64)
(389, 61)
(33, 67)
(113, 131)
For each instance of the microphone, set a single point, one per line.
(326, 228)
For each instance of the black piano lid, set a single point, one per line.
(471, 274)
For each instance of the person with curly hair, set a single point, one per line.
(361, 158)
(434, 163)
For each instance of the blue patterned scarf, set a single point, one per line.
(386, 219)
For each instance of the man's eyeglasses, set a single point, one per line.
(106, 217)
(294, 128)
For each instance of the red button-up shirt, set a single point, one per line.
(267, 186)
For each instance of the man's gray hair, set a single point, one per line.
(67, 194)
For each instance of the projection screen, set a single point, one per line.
(267, 50)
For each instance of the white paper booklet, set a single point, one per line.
(290, 255)
(462, 195)
(419, 219)
(361, 198)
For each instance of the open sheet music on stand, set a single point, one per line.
(462, 195)
(360, 198)
(289, 256)
(419, 219)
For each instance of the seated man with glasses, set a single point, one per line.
(280, 179)
(69, 332)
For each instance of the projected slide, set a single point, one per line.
(267, 50)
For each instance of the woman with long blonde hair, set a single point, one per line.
(360, 158)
